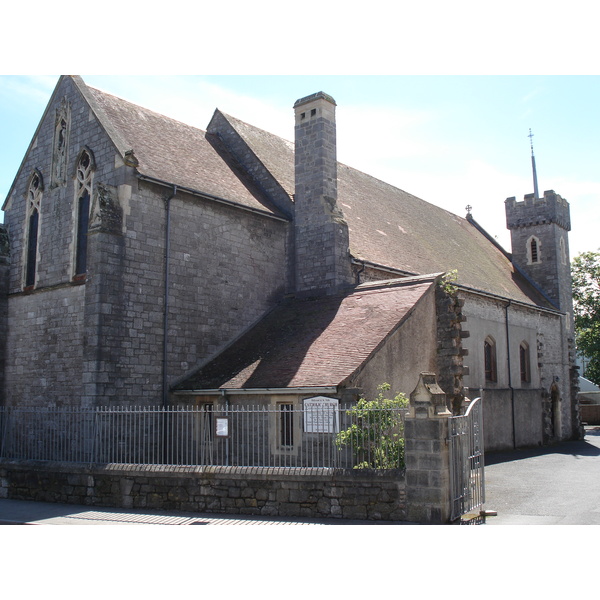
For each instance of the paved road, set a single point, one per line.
(559, 485)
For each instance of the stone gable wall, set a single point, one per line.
(46, 334)
(100, 338)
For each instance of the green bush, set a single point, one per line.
(376, 434)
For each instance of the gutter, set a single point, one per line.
(367, 263)
(477, 292)
(332, 389)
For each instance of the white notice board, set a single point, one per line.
(321, 415)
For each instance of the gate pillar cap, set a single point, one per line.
(428, 400)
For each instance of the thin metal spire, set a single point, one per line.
(535, 183)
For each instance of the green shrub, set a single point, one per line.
(376, 435)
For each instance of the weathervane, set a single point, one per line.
(535, 183)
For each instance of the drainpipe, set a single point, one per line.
(359, 272)
(165, 385)
(512, 390)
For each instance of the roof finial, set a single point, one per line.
(535, 183)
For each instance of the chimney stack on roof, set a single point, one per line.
(322, 247)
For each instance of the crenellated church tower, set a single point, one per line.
(539, 229)
(540, 244)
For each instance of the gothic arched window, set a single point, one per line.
(83, 193)
(34, 201)
(489, 358)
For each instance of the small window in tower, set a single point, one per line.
(533, 250)
(489, 357)
(313, 112)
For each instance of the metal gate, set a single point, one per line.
(467, 483)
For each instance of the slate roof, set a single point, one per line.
(173, 152)
(387, 226)
(293, 343)
(392, 228)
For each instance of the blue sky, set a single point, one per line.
(451, 140)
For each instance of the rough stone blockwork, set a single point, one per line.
(268, 492)
(450, 350)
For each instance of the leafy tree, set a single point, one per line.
(585, 271)
(376, 435)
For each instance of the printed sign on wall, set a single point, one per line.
(321, 415)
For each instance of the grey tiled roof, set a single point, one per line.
(393, 228)
(387, 225)
(173, 152)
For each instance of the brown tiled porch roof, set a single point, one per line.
(313, 342)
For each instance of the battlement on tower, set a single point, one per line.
(552, 208)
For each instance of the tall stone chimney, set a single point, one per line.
(321, 234)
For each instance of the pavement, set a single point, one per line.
(547, 486)
(25, 512)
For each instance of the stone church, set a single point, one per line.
(147, 262)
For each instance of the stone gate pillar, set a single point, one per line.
(427, 454)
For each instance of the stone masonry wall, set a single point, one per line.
(46, 336)
(45, 347)
(4, 271)
(268, 492)
(99, 339)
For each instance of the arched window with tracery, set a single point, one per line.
(34, 203)
(83, 188)
(489, 359)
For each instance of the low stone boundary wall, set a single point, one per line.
(309, 493)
